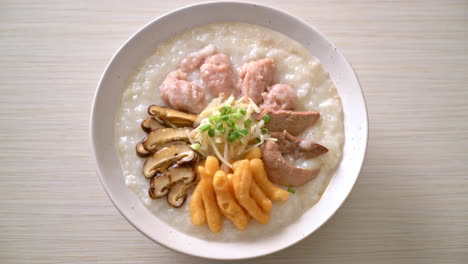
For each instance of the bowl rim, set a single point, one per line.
(92, 131)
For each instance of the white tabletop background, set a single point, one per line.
(410, 204)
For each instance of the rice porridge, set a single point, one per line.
(242, 43)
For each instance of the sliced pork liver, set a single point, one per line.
(289, 144)
(281, 172)
(292, 121)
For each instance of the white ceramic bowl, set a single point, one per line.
(140, 46)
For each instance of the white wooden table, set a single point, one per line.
(410, 204)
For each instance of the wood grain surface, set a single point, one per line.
(410, 204)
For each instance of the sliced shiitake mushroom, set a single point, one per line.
(159, 186)
(141, 151)
(162, 136)
(178, 194)
(168, 144)
(180, 178)
(150, 124)
(162, 159)
(175, 117)
(182, 174)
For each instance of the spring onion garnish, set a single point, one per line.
(195, 146)
(220, 123)
(230, 123)
(214, 119)
(205, 127)
(237, 115)
(291, 190)
(227, 129)
(211, 132)
(226, 109)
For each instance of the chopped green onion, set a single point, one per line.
(248, 122)
(213, 119)
(222, 130)
(266, 118)
(226, 109)
(244, 131)
(291, 190)
(264, 131)
(230, 123)
(234, 134)
(238, 134)
(242, 111)
(205, 127)
(195, 146)
(231, 138)
(237, 115)
(258, 140)
(224, 117)
(219, 126)
(211, 132)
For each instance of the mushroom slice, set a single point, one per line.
(150, 124)
(161, 160)
(162, 136)
(159, 186)
(185, 175)
(176, 182)
(168, 144)
(141, 151)
(175, 117)
(178, 194)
